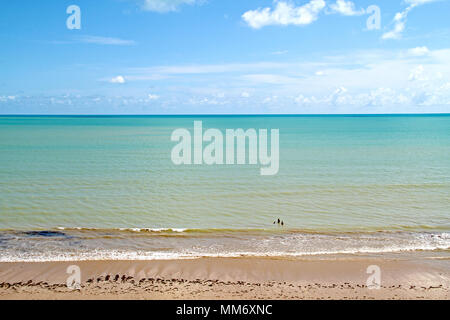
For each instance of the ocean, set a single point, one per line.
(105, 187)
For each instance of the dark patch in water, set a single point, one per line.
(4, 238)
(45, 234)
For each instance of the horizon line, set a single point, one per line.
(224, 114)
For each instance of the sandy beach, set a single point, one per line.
(228, 278)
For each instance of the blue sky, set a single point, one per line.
(222, 56)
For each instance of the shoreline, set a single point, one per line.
(229, 278)
(86, 244)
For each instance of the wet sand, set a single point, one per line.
(228, 278)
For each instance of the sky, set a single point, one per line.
(224, 57)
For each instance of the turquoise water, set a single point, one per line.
(106, 187)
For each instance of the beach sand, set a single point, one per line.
(228, 278)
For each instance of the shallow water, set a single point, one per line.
(346, 184)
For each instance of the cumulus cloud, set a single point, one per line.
(270, 99)
(284, 14)
(401, 17)
(302, 100)
(419, 51)
(206, 101)
(338, 96)
(346, 8)
(118, 79)
(382, 97)
(418, 74)
(163, 6)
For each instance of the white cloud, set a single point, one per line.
(270, 99)
(7, 98)
(399, 25)
(163, 6)
(419, 2)
(419, 51)
(164, 71)
(284, 13)
(105, 41)
(380, 78)
(118, 79)
(384, 98)
(418, 74)
(346, 8)
(339, 96)
(206, 101)
(401, 17)
(301, 99)
(153, 96)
